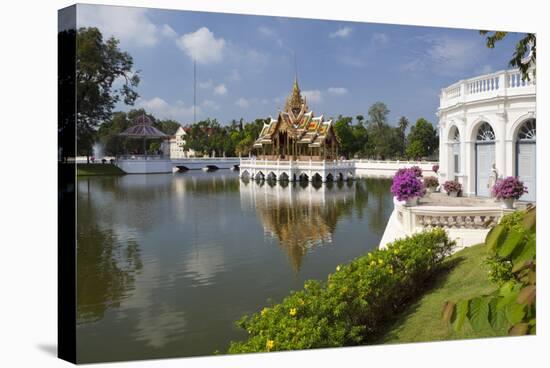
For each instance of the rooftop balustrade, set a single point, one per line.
(499, 84)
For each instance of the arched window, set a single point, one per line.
(528, 131)
(454, 139)
(526, 157)
(455, 135)
(485, 133)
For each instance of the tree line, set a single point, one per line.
(375, 138)
(105, 75)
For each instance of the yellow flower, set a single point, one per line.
(390, 271)
(395, 251)
(337, 268)
(372, 263)
(381, 261)
(269, 344)
(264, 311)
(293, 312)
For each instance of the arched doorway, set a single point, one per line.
(526, 158)
(485, 158)
(454, 153)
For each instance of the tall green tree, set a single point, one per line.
(99, 63)
(344, 131)
(402, 126)
(525, 54)
(422, 140)
(378, 114)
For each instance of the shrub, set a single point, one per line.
(452, 186)
(353, 303)
(512, 306)
(431, 182)
(508, 188)
(406, 185)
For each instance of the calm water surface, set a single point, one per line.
(168, 263)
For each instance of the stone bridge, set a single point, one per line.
(183, 164)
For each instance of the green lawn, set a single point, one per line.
(464, 276)
(98, 169)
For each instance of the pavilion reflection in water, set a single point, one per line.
(300, 216)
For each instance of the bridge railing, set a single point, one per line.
(296, 163)
(142, 157)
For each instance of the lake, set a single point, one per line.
(167, 263)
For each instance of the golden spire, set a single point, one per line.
(295, 100)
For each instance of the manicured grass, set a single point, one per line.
(464, 276)
(98, 169)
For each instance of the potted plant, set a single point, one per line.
(431, 183)
(407, 186)
(452, 187)
(509, 190)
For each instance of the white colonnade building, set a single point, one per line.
(486, 120)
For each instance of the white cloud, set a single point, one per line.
(444, 55)
(380, 38)
(342, 32)
(352, 60)
(313, 95)
(209, 104)
(220, 89)
(202, 46)
(242, 102)
(206, 84)
(485, 69)
(234, 75)
(163, 110)
(337, 90)
(168, 31)
(270, 33)
(130, 25)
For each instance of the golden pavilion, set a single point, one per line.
(297, 134)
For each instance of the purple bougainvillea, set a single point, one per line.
(452, 186)
(510, 187)
(407, 184)
(417, 171)
(435, 168)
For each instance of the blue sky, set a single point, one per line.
(245, 64)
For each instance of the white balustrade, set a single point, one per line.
(502, 83)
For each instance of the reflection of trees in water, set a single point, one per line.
(151, 187)
(380, 202)
(106, 268)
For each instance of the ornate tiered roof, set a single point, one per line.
(143, 128)
(298, 122)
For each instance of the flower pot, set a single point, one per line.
(508, 203)
(411, 202)
(453, 194)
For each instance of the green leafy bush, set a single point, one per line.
(353, 303)
(512, 307)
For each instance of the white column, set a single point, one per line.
(500, 144)
(469, 168)
(443, 152)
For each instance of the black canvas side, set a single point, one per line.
(66, 176)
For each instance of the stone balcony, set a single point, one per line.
(505, 83)
(466, 219)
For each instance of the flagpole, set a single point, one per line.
(194, 91)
